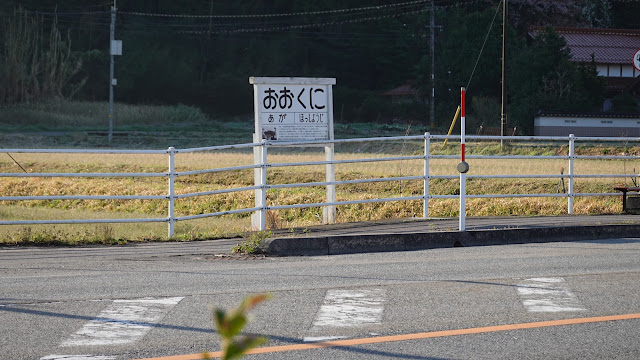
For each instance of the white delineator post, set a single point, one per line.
(172, 193)
(572, 155)
(462, 165)
(427, 155)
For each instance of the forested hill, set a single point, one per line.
(201, 52)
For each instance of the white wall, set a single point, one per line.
(582, 126)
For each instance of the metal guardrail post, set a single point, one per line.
(171, 196)
(427, 154)
(572, 154)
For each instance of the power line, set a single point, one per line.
(322, 12)
(16, 4)
(308, 26)
(280, 25)
(266, 27)
(349, 16)
(264, 19)
(55, 13)
(484, 43)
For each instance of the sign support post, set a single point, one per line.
(258, 218)
(329, 211)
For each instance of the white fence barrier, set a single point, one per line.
(261, 208)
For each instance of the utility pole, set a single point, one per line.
(210, 16)
(432, 27)
(112, 52)
(503, 113)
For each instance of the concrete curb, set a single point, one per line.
(353, 244)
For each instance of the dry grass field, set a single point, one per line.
(232, 225)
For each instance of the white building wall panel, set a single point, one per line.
(563, 126)
(627, 70)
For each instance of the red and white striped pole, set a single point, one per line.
(463, 167)
(462, 123)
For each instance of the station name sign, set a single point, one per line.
(293, 109)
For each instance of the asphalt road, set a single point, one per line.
(155, 300)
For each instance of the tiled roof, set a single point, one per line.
(403, 90)
(608, 46)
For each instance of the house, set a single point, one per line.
(406, 91)
(612, 51)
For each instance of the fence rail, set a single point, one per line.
(261, 166)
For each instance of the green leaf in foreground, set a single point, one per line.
(230, 325)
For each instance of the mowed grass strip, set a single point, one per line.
(232, 225)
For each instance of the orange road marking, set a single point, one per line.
(415, 336)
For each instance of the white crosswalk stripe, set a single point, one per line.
(548, 295)
(346, 309)
(344, 313)
(122, 322)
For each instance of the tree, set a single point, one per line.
(457, 49)
(597, 13)
(625, 14)
(34, 66)
(206, 61)
(547, 80)
(526, 13)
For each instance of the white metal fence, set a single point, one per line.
(261, 167)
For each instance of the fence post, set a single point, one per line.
(329, 211)
(258, 218)
(172, 176)
(427, 155)
(262, 201)
(572, 153)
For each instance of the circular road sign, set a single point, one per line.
(636, 60)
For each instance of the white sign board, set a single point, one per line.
(116, 47)
(293, 109)
(636, 60)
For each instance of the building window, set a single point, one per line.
(614, 70)
(627, 71)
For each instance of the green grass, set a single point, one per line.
(71, 115)
(251, 245)
(85, 124)
(70, 124)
